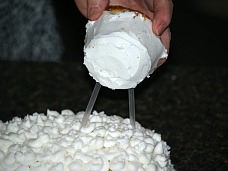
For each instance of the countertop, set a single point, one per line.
(187, 105)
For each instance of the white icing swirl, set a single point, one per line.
(55, 142)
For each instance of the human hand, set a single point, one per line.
(159, 11)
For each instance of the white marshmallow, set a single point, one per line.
(57, 167)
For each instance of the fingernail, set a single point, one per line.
(93, 12)
(159, 30)
(158, 27)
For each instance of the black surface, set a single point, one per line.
(186, 105)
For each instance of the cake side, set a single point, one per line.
(121, 49)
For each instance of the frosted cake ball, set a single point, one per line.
(121, 49)
(55, 142)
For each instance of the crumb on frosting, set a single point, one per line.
(119, 9)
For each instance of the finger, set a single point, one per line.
(82, 6)
(161, 62)
(166, 38)
(163, 10)
(96, 8)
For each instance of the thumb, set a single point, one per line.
(96, 8)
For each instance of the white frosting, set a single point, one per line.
(55, 142)
(121, 49)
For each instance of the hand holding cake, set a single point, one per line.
(121, 49)
(160, 11)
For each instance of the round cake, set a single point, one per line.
(121, 49)
(57, 142)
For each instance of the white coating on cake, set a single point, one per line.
(55, 142)
(121, 49)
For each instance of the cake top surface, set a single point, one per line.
(57, 142)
